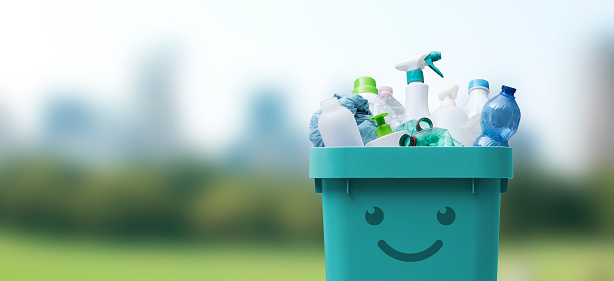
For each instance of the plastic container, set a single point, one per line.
(421, 213)
(478, 96)
(337, 125)
(448, 115)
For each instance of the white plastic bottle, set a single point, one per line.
(416, 99)
(337, 125)
(386, 103)
(448, 115)
(478, 96)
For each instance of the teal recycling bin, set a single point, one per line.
(411, 213)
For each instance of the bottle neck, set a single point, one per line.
(478, 92)
(447, 102)
(511, 96)
(415, 75)
(329, 105)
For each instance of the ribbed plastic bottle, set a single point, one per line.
(500, 119)
(448, 115)
(386, 103)
(337, 125)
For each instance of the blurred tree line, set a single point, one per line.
(190, 199)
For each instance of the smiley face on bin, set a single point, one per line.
(376, 217)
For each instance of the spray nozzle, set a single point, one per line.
(433, 57)
(382, 128)
(448, 96)
(414, 65)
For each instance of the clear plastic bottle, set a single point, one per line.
(500, 119)
(337, 125)
(386, 103)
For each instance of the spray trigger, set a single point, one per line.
(433, 57)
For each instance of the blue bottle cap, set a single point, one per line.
(478, 83)
(508, 90)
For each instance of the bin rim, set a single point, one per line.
(410, 162)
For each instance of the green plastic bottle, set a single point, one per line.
(427, 135)
(411, 125)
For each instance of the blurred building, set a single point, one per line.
(72, 128)
(155, 129)
(268, 141)
(599, 97)
(77, 128)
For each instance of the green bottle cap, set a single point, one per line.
(424, 123)
(382, 128)
(364, 85)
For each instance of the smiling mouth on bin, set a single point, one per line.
(410, 257)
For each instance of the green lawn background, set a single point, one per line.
(40, 258)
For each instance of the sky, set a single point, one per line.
(226, 50)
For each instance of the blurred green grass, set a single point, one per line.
(37, 258)
(187, 220)
(28, 257)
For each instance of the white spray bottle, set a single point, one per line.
(448, 115)
(416, 93)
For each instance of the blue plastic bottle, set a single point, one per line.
(500, 119)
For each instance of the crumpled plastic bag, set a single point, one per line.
(359, 106)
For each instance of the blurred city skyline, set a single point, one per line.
(216, 59)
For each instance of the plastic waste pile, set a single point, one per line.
(348, 120)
